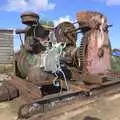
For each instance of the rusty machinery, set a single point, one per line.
(49, 56)
(93, 57)
(52, 68)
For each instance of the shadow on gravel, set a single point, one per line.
(91, 118)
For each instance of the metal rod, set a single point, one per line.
(21, 40)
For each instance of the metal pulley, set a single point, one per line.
(65, 32)
(29, 18)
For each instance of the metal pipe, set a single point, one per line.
(21, 40)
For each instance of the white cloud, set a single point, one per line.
(66, 18)
(27, 5)
(109, 2)
(113, 2)
(62, 19)
(16, 49)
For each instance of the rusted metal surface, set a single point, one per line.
(19, 31)
(95, 62)
(24, 61)
(95, 49)
(45, 101)
(39, 77)
(29, 55)
(92, 79)
(93, 54)
(76, 109)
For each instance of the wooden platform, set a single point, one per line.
(27, 91)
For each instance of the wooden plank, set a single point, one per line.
(6, 33)
(7, 51)
(6, 45)
(7, 68)
(5, 48)
(6, 54)
(2, 54)
(6, 37)
(6, 41)
(27, 90)
(6, 60)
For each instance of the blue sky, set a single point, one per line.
(60, 10)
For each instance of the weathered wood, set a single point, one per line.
(6, 45)
(6, 50)
(7, 91)
(8, 68)
(6, 60)
(5, 41)
(27, 90)
(6, 54)
(4, 57)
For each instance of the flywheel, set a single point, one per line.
(65, 32)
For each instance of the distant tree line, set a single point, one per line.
(115, 50)
(47, 22)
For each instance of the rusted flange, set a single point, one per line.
(29, 18)
(90, 19)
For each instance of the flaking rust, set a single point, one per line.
(96, 45)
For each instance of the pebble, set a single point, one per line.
(4, 77)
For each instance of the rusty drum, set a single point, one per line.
(29, 18)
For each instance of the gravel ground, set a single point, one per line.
(8, 110)
(104, 108)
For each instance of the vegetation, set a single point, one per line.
(115, 61)
(47, 22)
